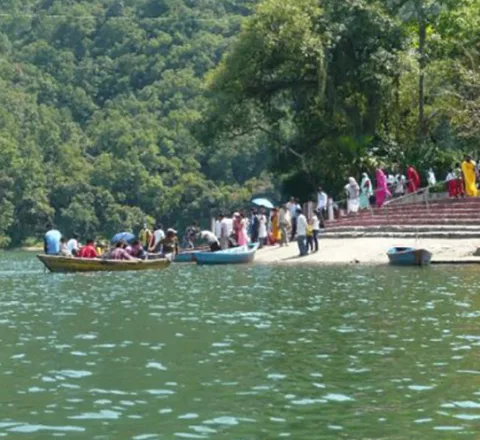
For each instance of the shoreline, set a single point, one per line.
(370, 251)
(357, 251)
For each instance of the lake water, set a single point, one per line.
(239, 353)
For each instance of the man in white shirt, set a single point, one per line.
(302, 232)
(218, 227)
(157, 237)
(322, 200)
(211, 239)
(224, 235)
(230, 225)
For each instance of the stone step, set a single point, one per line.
(402, 229)
(385, 211)
(416, 214)
(378, 221)
(420, 235)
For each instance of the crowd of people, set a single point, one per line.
(461, 181)
(281, 225)
(148, 243)
(277, 225)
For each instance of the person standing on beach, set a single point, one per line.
(254, 224)
(316, 230)
(218, 227)
(302, 225)
(284, 223)
(224, 236)
(262, 228)
(293, 207)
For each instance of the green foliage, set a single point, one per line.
(339, 87)
(116, 112)
(97, 104)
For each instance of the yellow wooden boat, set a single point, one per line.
(70, 264)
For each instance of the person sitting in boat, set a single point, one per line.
(170, 243)
(64, 251)
(52, 241)
(120, 253)
(211, 239)
(88, 251)
(101, 247)
(190, 235)
(136, 250)
(73, 245)
(145, 236)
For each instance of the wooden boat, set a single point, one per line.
(406, 256)
(70, 264)
(237, 255)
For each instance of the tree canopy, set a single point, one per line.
(114, 112)
(341, 87)
(98, 100)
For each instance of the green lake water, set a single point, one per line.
(239, 353)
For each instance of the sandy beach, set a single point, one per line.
(369, 251)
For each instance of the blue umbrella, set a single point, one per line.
(263, 202)
(125, 236)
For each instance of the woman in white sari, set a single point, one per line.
(353, 196)
(366, 191)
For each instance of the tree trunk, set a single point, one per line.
(422, 37)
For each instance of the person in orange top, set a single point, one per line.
(88, 251)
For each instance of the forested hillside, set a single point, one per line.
(114, 111)
(98, 99)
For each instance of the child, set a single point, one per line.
(64, 251)
(310, 235)
(451, 183)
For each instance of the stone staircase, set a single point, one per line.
(447, 218)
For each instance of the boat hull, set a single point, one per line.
(242, 255)
(58, 264)
(409, 257)
(188, 256)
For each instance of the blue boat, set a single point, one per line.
(187, 256)
(237, 255)
(407, 256)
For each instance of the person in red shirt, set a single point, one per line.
(88, 251)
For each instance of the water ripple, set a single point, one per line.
(250, 352)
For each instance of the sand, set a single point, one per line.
(369, 251)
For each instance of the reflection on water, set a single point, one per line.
(239, 353)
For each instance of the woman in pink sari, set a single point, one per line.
(239, 228)
(382, 192)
